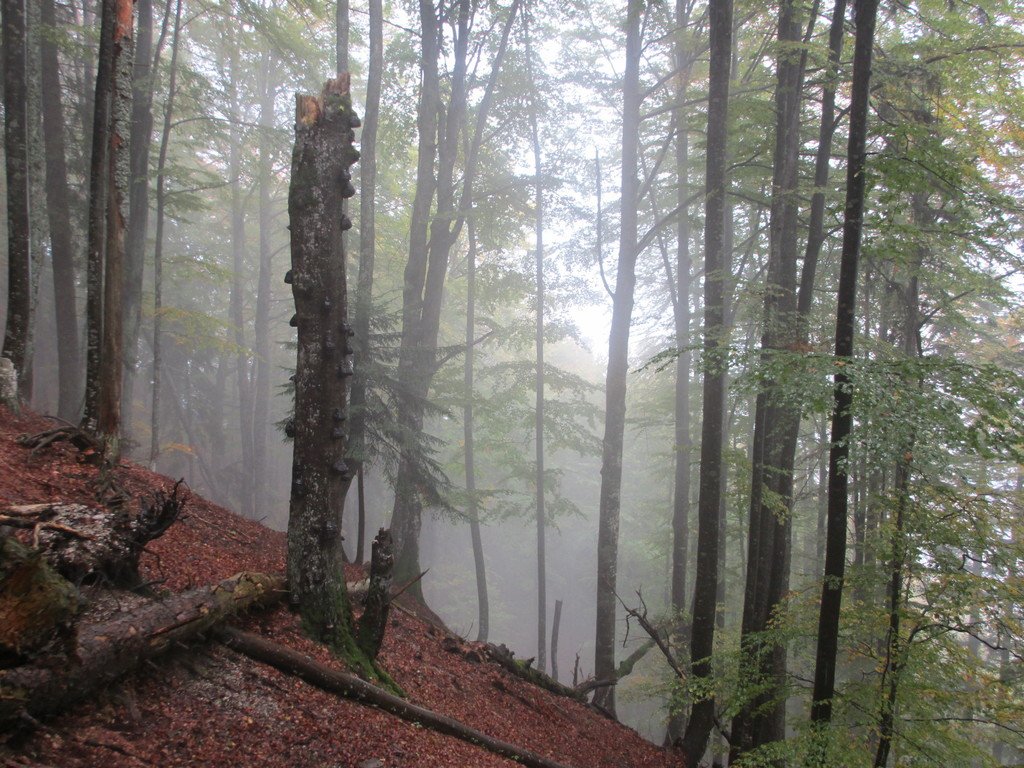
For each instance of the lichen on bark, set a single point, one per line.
(321, 181)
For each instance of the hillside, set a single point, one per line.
(208, 705)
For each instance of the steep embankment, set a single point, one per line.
(206, 705)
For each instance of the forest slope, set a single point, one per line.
(207, 705)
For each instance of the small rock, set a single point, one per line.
(373, 762)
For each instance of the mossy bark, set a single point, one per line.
(36, 603)
(321, 181)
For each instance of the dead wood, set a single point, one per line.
(36, 604)
(506, 659)
(351, 687)
(87, 543)
(105, 651)
(373, 622)
(79, 438)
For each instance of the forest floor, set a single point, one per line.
(206, 705)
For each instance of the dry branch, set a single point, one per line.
(351, 687)
(105, 651)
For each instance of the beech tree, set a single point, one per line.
(16, 335)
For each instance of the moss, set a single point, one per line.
(329, 621)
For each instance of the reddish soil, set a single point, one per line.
(206, 705)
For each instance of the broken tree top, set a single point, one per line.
(308, 108)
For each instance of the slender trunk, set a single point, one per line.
(58, 209)
(367, 234)
(427, 268)
(702, 714)
(842, 416)
(245, 500)
(407, 510)
(341, 24)
(15, 96)
(538, 424)
(556, 622)
(161, 200)
(683, 442)
(472, 508)
(618, 366)
(261, 323)
(138, 204)
(40, 325)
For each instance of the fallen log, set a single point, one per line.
(351, 687)
(506, 659)
(105, 651)
(36, 604)
(87, 543)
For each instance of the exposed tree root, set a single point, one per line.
(351, 687)
(105, 651)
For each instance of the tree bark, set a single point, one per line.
(367, 252)
(776, 423)
(842, 416)
(618, 365)
(472, 507)
(158, 251)
(138, 200)
(15, 96)
(58, 209)
(237, 303)
(108, 413)
(538, 424)
(104, 652)
(377, 606)
(702, 714)
(320, 476)
(261, 322)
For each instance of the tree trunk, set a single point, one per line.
(776, 423)
(320, 477)
(374, 621)
(99, 182)
(702, 714)
(16, 335)
(842, 416)
(58, 209)
(158, 251)
(472, 508)
(108, 413)
(367, 252)
(138, 202)
(104, 652)
(618, 366)
(261, 324)
(427, 268)
(683, 443)
(538, 429)
(237, 315)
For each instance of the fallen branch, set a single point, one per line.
(351, 687)
(105, 651)
(504, 658)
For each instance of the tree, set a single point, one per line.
(320, 476)
(842, 415)
(618, 363)
(16, 335)
(702, 714)
(58, 209)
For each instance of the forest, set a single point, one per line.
(676, 344)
